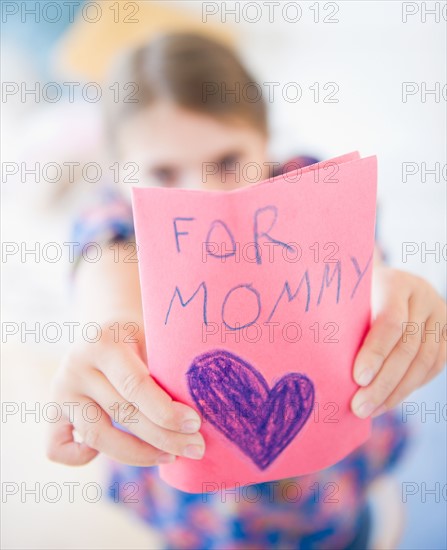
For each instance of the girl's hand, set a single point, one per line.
(406, 345)
(109, 380)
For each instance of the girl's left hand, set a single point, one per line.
(406, 345)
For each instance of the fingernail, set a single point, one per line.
(165, 458)
(364, 409)
(365, 377)
(194, 451)
(190, 426)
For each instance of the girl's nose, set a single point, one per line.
(192, 179)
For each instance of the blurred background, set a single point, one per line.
(373, 78)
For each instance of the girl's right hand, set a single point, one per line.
(107, 380)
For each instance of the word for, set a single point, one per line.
(264, 219)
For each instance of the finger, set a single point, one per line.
(383, 336)
(130, 417)
(396, 364)
(420, 367)
(97, 431)
(441, 360)
(131, 379)
(61, 446)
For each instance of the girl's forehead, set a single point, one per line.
(166, 129)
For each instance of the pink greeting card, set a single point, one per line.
(255, 304)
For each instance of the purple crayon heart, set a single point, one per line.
(237, 400)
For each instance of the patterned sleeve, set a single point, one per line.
(294, 164)
(108, 219)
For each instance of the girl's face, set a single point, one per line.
(175, 147)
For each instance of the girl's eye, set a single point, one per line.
(164, 176)
(229, 162)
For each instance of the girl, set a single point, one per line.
(182, 120)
